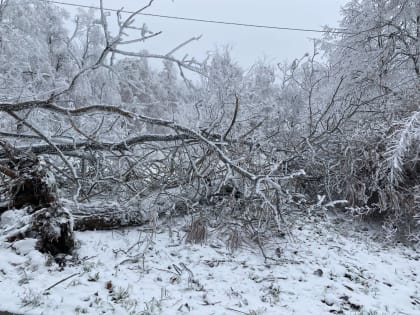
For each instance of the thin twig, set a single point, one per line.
(235, 114)
(62, 280)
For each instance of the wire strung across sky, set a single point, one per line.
(332, 31)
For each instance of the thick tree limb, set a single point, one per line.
(123, 145)
(8, 172)
(118, 146)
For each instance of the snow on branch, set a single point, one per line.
(407, 138)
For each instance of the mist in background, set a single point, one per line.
(247, 44)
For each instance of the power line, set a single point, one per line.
(207, 21)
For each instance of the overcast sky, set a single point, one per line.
(248, 44)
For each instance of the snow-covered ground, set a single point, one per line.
(328, 268)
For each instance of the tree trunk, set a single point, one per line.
(106, 218)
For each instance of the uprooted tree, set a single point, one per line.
(244, 147)
(96, 150)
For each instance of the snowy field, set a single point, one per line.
(328, 268)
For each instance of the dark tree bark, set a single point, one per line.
(31, 187)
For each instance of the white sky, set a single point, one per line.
(248, 44)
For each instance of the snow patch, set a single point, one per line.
(24, 246)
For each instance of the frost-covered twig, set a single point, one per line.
(407, 137)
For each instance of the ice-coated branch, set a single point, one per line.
(408, 136)
(47, 140)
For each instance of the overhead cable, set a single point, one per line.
(282, 28)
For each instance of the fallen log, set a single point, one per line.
(105, 217)
(108, 218)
